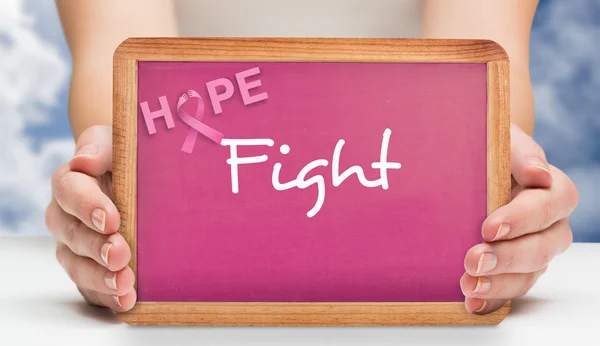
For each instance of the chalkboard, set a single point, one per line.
(307, 181)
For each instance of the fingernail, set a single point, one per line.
(470, 305)
(502, 231)
(538, 163)
(98, 219)
(487, 262)
(110, 280)
(117, 301)
(484, 285)
(104, 252)
(482, 307)
(88, 149)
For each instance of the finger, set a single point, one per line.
(86, 273)
(502, 286)
(481, 306)
(110, 251)
(532, 210)
(525, 254)
(79, 195)
(528, 161)
(91, 297)
(116, 303)
(93, 153)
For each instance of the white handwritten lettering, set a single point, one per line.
(234, 160)
(301, 181)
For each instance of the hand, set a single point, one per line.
(83, 220)
(523, 236)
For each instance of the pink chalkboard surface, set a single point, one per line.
(308, 181)
(406, 243)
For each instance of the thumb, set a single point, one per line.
(528, 160)
(93, 153)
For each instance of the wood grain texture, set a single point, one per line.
(125, 149)
(310, 49)
(133, 50)
(498, 135)
(307, 314)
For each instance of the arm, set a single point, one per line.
(81, 216)
(94, 30)
(522, 237)
(508, 22)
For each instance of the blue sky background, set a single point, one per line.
(565, 68)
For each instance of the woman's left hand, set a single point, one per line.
(523, 236)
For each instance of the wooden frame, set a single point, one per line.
(125, 112)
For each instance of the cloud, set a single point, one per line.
(565, 56)
(585, 221)
(32, 74)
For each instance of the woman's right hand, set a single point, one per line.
(84, 221)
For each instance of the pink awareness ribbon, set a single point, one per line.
(196, 126)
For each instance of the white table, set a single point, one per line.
(39, 306)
